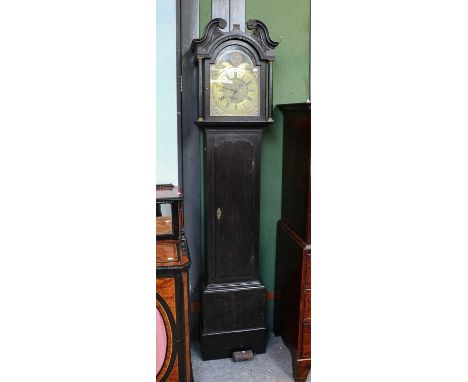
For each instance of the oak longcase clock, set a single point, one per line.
(235, 81)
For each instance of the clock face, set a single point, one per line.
(234, 84)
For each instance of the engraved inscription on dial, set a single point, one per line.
(234, 85)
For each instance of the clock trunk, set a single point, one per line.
(233, 299)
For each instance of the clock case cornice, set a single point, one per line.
(213, 36)
(259, 43)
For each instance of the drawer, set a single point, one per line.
(306, 339)
(166, 252)
(306, 304)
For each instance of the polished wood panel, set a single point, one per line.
(172, 263)
(306, 300)
(173, 290)
(188, 364)
(166, 252)
(301, 368)
(306, 340)
(307, 274)
(164, 225)
(165, 288)
(174, 376)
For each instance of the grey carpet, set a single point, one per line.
(273, 366)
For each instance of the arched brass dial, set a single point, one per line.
(234, 87)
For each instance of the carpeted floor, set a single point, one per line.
(273, 366)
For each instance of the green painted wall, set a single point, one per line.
(289, 23)
(205, 14)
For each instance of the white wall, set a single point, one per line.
(389, 191)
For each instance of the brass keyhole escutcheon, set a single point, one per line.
(218, 214)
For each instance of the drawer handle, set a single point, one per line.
(218, 214)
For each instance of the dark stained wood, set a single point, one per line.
(295, 202)
(292, 312)
(188, 362)
(200, 90)
(306, 301)
(301, 368)
(232, 185)
(234, 247)
(292, 308)
(270, 91)
(223, 344)
(288, 281)
(305, 340)
(206, 49)
(232, 298)
(233, 306)
(307, 274)
(263, 86)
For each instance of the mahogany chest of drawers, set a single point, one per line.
(172, 302)
(292, 318)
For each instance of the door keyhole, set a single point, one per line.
(218, 214)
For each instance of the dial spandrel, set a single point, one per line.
(234, 84)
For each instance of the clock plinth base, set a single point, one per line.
(233, 319)
(223, 344)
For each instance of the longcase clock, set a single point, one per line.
(235, 104)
